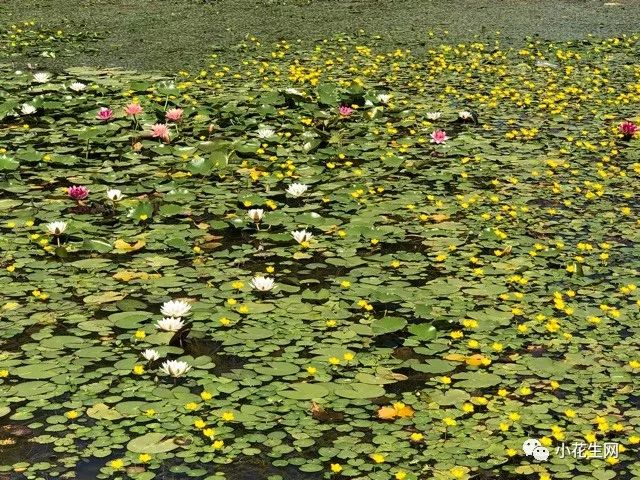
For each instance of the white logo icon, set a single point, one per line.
(541, 454)
(535, 448)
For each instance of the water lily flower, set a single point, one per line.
(161, 131)
(439, 136)
(266, 132)
(345, 110)
(256, 214)
(78, 192)
(77, 86)
(27, 109)
(297, 189)
(114, 195)
(301, 235)
(174, 115)
(628, 129)
(150, 354)
(383, 98)
(465, 115)
(105, 114)
(170, 324)
(57, 228)
(433, 115)
(175, 368)
(175, 308)
(133, 109)
(263, 284)
(41, 77)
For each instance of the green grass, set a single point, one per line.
(175, 34)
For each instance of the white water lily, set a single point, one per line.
(433, 115)
(77, 86)
(293, 91)
(465, 115)
(297, 189)
(114, 195)
(266, 132)
(150, 354)
(383, 97)
(27, 109)
(57, 228)
(41, 77)
(175, 308)
(263, 284)
(175, 368)
(170, 324)
(256, 214)
(302, 235)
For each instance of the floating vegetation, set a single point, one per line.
(335, 262)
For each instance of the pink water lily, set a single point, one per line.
(345, 110)
(628, 129)
(439, 136)
(105, 114)
(174, 115)
(160, 130)
(78, 192)
(133, 109)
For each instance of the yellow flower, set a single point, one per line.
(511, 452)
(348, 356)
(72, 414)
(138, 369)
(570, 413)
(331, 323)
(4, 373)
(467, 407)
(345, 284)
(140, 334)
(116, 464)
(199, 424)
(206, 396)
(244, 309)
(417, 437)
(514, 416)
(150, 412)
(336, 467)
(237, 285)
(224, 321)
(445, 380)
(458, 472)
(218, 444)
(144, 457)
(503, 392)
(449, 422)
(400, 475)
(377, 457)
(546, 441)
(191, 406)
(209, 432)
(334, 360)
(312, 370)
(228, 416)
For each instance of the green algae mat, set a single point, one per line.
(323, 261)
